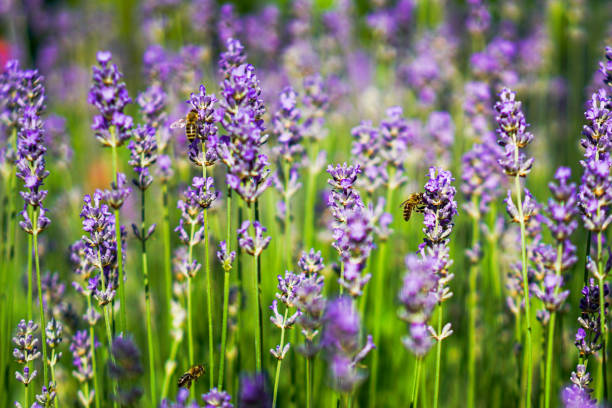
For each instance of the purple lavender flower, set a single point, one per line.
(118, 192)
(578, 395)
(80, 346)
(125, 369)
(109, 95)
(202, 150)
(10, 94)
(192, 211)
(479, 18)
(31, 166)
(47, 396)
(598, 130)
(240, 149)
(254, 392)
(595, 193)
(26, 349)
(225, 257)
(143, 149)
(164, 168)
(231, 58)
(287, 294)
(606, 67)
(227, 27)
(441, 129)
(512, 134)
(253, 245)
(152, 103)
(311, 262)
(217, 398)
(101, 249)
(418, 299)
(341, 339)
(182, 396)
(311, 303)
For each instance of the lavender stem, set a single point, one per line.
(122, 301)
(280, 360)
(211, 351)
(40, 298)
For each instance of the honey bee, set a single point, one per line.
(189, 123)
(190, 375)
(413, 203)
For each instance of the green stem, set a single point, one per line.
(226, 280)
(43, 325)
(145, 276)
(551, 334)
(26, 396)
(308, 382)
(280, 360)
(517, 186)
(415, 382)
(438, 356)
(604, 341)
(310, 198)
(287, 229)
(167, 250)
(224, 327)
(30, 296)
(168, 374)
(256, 298)
(189, 312)
(107, 320)
(211, 347)
(379, 278)
(52, 367)
(471, 307)
(122, 299)
(93, 359)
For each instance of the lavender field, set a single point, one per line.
(305, 203)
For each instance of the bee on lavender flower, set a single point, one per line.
(190, 376)
(189, 123)
(413, 203)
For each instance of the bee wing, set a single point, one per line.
(179, 124)
(403, 203)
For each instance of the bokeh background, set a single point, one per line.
(372, 55)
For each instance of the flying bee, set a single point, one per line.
(413, 203)
(190, 375)
(189, 123)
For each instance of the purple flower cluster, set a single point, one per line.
(241, 148)
(143, 153)
(254, 392)
(311, 303)
(225, 257)
(152, 103)
(352, 229)
(253, 245)
(418, 299)
(118, 192)
(287, 294)
(217, 399)
(80, 346)
(341, 340)
(125, 368)
(588, 340)
(31, 166)
(109, 95)
(100, 249)
(605, 67)
(377, 150)
(202, 150)
(26, 350)
(560, 219)
(196, 199)
(479, 18)
(287, 127)
(512, 134)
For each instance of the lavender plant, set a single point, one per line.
(513, 137)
